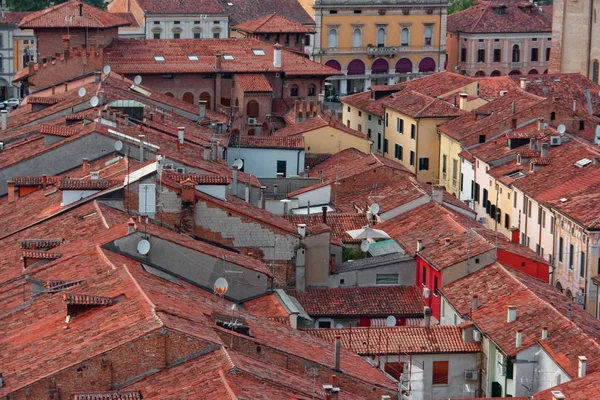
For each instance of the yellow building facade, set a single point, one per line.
(378, 42)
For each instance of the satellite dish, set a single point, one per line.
(143, 247)
(390, 321)
(561, 129)
(238, 163)
(94, 101)
(137, 80)
(374, 208)
(81, 92)
(106, 70)
(339, 326)
(364, 246)
(220, 287)
(118, 145)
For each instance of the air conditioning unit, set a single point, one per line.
(471, 375)
(555, 141)
(476, 336)
(252, 121)
(180, 170)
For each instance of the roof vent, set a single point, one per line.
(563, 200)
(583, 162)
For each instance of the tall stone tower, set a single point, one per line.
(576, 38)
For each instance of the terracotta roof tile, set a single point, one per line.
(129, 17)
(40, 243)
(500, 17)
(339, 223)
(181, 7)
(267, 306)
(34, 180)
(379, 301)
(581, 205)
(66, 15)
(57, 130)
(418, 105)
(43, 100)
(273, 23)
(490, 87)
(436, 339)
(86, 299)
(245, 10)
(14, 17)
(318, 122)
(199, 179)
(585, 388)
(253, 82)
(41, 255)
(270, 142)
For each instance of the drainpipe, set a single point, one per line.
(589, 52)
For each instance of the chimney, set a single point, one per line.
(263, 200)
(447, 241)
(302, 230)
(544, 332)
(4, 118)
(474, 303)
(202, 110)
(338, 348)
(324, 209)
(582, 366)
(524, 83)
(141, 137)
(558, 395)
(545, 148)
(181, 134)
(519, 338)
(130, 226)
(247, 192)
(541, 124)
(462, 104)
(206, 153)
(532, 142)
(512, 314)
(11, 191)
(286, 203)
(217, 62)
(335, 391)
(574, 105)
(234, 182)
(44, 181)
(513, 107)
(275, 190)
(86, 165)
(277, 55)
(427, 314)
(419, 245)
(214, 145)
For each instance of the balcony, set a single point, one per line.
(375, 51)
(515, 65)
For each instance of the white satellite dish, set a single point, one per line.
(364, 246)
(561, 129)
(374, 208)
(238, 163)
(106, 70)
(94, 101)
(137, 80)
(221, 285)
(390, 321)
(81, 92)
(118, 145)
(143, 247)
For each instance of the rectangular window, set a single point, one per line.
(177, 35)
(537, 248)
(216, 35)
(424, 164)
(551, 224)
(515, 200)
(413, 131)
(156, 22)
(400, 125)
(571, 250)
(481, 138)
(196, 35)
(412, 158)
(476, 192)
(324, 324)
(386, 279)
(497, 55)
(560, 249)
(359, 128)
(176, 22)
(369, 133)
(543, 219)
(444, 159)
(534, 54)
(385, 146)
(386, 119)
(379, 142)
(424, 277)
(480, 55)
(156, 36)
(462, 179)
(539, 216)
(547, 53)
(582, 264)
(463, 54)
(282, 168)
(454, 169)
(506, 221)
(440, 373)
(529, 207)
(398, 152)
(435, 285)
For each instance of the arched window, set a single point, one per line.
(357, 38)
(294, 91)
(496, 73)
(312, 89)
(404, 37)
(252, 109)
(516, 53)
(403, 65)
(595, 66)
(332, 38)
(552, 116)
(188, 97)
(381, 37)
(169, 94)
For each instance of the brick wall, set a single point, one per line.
(62, 69)
(50, 41)
(181, 84)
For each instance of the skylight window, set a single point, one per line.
(159, 58)
(258, 52)
(227, 57)
(193, 58)
(229, 4)
(583, 162)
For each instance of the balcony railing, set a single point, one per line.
(515, 65)
(381, 51)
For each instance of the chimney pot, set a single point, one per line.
(462, 104)
(86, 165)
(544, 332)
(541, 124)
(181, 134)
(234, 181)
(141, 137)
(44, 181)
(302, 230)
(277, 55)
(447, 241)
(512, 314)
(247, 192)
(524, 83)
(475, 303)
(130, 227)
(519, 338)
(581, 370)
(419, 245)
(338, 348)
(4, 118)
(427, 314)
(263, 200)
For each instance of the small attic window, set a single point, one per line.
(583, 162)
(227, 57)
(258, 52)
(193, 58)
(159, 58)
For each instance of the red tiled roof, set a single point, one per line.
(180, 7)
(34, 180)
(199, 179)
(267, 306)
(245, 10)
(379, 301)
(14, 17)
(40, 243)
(253, 82)
(418, 105)
(436, 339)
(129, 17)
(43, 100)
(339, 223)
(581, 205)
(137, 56)
(500, 17)
(270, 142)
(364, 101)
(88, 184)
(66, 15)
(57, 130)
(273, 23)
(490, 87)
(586, 388)
(318, 122)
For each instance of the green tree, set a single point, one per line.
(36, 5)
(459, 5)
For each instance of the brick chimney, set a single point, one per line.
(188, 204)
(11, 191)
(130, 226)
(302, 230)
(277, 55)
(85, 165)
(475, 303)
(544, 332)
(519, 338)
(217, 62)
(462, 103)
(338, 349)
(427, 315)
(523, 83)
